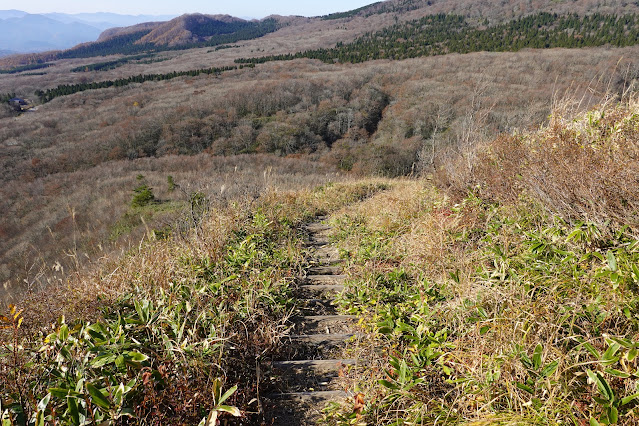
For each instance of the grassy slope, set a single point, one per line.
(489, 308)
(149, 336)
(81, 145)
(494, 310)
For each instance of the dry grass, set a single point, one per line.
(154, 263)
(232, 273)
(55, 160)
(581, 167)
(83, 208)
(410, 241)
(512, 277)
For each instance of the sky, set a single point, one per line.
(241, 8)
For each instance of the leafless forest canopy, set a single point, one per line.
(159, 211)
(68, 169)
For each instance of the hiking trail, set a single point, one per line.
(311, 361)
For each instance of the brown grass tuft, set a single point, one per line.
(580, 168)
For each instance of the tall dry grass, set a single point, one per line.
(235, 269)
(500, 282)
(67, 221)
(582, 167)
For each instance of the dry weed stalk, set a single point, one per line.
(579, 166)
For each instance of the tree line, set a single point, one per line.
(69, 89)
(207, 28)
(349, 13)
(110, 65)
(127, 44)
(121, 44)
(28, 67)
(441, 34)
(377, 8)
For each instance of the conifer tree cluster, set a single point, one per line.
(69, 89)
(441, 34)
(29, 67)
(110, 65)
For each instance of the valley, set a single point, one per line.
(369, 118)
(475, 165)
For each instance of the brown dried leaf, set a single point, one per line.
(358, 405)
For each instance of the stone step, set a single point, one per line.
(326, 253)
(327, 261)
(325, 270)
(329, 318)
(317, 306)
(317, 241)
(320, 365)
(309, 291)
(300, 408)
(325, 279)
(322, 287)
(315, 396)
(314, 245)
(322, 339)
(316, 324)
(315, 343)
(317, 227)
(306, 379)
(307, 375)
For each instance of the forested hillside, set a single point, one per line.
(195, 33)
(474, 166)
(389, 118)
(442, 34)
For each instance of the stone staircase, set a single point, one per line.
(311, 360)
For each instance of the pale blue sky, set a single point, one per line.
(244, 8)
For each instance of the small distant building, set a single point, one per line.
(20, 104)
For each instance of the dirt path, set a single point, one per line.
(311, 360)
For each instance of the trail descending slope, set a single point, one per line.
(310, 363)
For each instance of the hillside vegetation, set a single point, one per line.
(146, 338)
(482, 298)
(381, 118)
(155, 206)
(445, 33)
(491, 297)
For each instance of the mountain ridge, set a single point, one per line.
(40, 33)
(176, 32)
(180, 30)
(58, 31)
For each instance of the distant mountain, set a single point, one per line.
(6, 53)
(24, 33)
(183, 32)
(6, 14)
(145, 28)
(105, 20)
(194, 28)
(33, 33)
